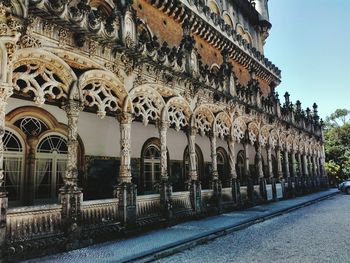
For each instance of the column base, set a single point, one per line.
(166, 190)
(217, 196)
(71, 198)
(236, 193)
(250, 192)
(126, 195)
(3, 213)
(274, 189)
(195, 188)
(262, 186)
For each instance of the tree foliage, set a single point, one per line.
(337, 144)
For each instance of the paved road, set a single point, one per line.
(317, 233)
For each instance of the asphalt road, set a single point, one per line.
(317, 233)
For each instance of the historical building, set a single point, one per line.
(119, 114)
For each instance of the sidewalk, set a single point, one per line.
(183, 235)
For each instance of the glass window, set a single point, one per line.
(50, 167)
(13, 165)
(151, 169)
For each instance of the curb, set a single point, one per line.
(179, 246)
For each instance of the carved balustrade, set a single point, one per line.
(181, 203)
(99, 212)
(33, 222)
(148, 208)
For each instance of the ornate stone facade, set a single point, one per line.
(193, 69)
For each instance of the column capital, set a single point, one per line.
(73, 107)
(6, 90)
(163, 124)
(125, 117)
(192, 131)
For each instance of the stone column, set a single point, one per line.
(5, 93)
(300, 178)
(250, 183)
(70, 194)
(293, 174)
(165, 186)
(125, 191)
(279, 163)
(216, 184)
(260, 169)
(269, 161)
(236, 194)
(305, 166)
(286, 164)
(194, 185)
(270, 171)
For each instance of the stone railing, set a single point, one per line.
(148, 207)
(227, 194)
(206, 198)
(99, 212)
(181, 204)
(244, 192)
(33, 222)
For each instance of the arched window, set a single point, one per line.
(274, 166)
(240, 167)
(222, 166)
(50, 166)
(199, 167)
(13, 165)
(214, 7)
(228, 20)
(150, 167)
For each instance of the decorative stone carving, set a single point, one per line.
(125, 120)
(72, 108)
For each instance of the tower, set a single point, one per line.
(262, 7)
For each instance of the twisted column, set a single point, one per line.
(279, 162)
(125, 191)
(125, 120)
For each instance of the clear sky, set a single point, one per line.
(310, 42)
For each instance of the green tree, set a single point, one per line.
(337, 144)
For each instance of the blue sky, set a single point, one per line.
(310, 42)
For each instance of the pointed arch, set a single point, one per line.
(222, 124)
(101, 90)
(42, 74)
(147, 104)
(178, 112)
(202, 119)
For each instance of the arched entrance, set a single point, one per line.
(14, 153)
(50, 166)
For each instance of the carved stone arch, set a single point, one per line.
(178, 112)
(100, 89)
(239, 128)
(296, 143)
(222, 124)
(254, 132)
(202, 119)
(38, 113)
(228, 19)
(244, 33)
(75, 60)
(264, 136)
(289, 142)
(164, 91)
(274, 138)
(214, 6)
(17, 8)
(144, 32)
(42, 75)
(283, 140)
(105, 6)
(147, 103)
